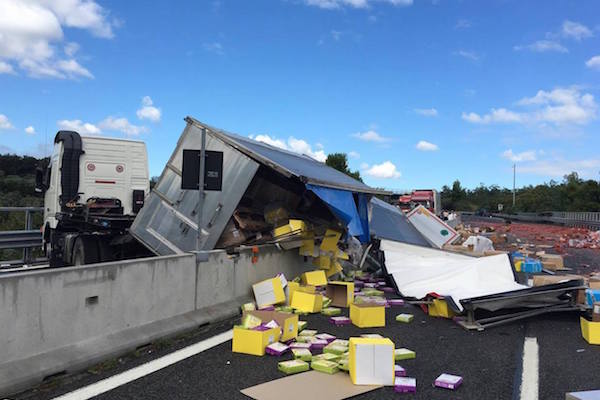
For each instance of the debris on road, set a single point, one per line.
(448, 381)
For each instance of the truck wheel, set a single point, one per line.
(85, 251)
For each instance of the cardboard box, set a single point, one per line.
(552, 261)
(329, 242)
(306, 302)
(440, 308)
(268, 292)
(335, 268)
(367, 315)
(596, 312)
(288, 322)
(322, 261)
(541, 280)
(340, 293)
(249, 341)
(371, 361)
(293, 226)
(314, 278)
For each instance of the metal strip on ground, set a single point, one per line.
(123, 378)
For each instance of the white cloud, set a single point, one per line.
(295, 145)
(84, 128)
(575, 30)
(214, 47)
(427, 112)
(30, 31)
(385, 170)
(353, 154)
(148, 111)
(559, 167)
(370, 136)
(426, 146)
(71, 48)
(30, 130)
(593, 63)
(121, 125)
(338, 4)
(6, 68)
(519, 157)
(5, 123)
(558, 106)
(470, 55)
(543, 46)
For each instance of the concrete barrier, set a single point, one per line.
(66, 319)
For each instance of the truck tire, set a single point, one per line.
(85, 251)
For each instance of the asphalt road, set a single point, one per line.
(489, 361)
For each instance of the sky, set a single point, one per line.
(418, 93)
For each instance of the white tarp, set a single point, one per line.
(480, 244)
(436, 231)
(418, 271)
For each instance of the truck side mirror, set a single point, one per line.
(40, 185)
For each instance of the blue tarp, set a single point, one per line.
(341, 203)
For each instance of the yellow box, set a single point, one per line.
(253, 342)
(334, 269)
(440, 308)
(322, 261)
(342, 255)
(590, 331)
(371, 361)
(329, 242)
(307, 302)
(314, 278)
(367, 315)
(268, 292)
(340, 293)
(308, 245)
(293, 226)
(295, 286)
(287, 321)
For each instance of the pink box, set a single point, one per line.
(276, 349)
(395, 302)
(403, 384)
(340, 321)
(448, 381)
(399, 371)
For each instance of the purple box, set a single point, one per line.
(318, 344)
(387, 289)
(267, 308)
(399, 371)
(261, 328)
(448, 381)
(358, 283)
(371, 285)
(326, 336)
(340, 321)
(276, 349)
(395, 302)
(403, 384)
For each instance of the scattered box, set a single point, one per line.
(253, 342)
(344, 364)
(395, 302)
(440, 308)
(340, 320)
(268, 292)
(404, 354)
(317, 344)
(399, 371)
(306, 302)
(325, 336)
(249, 321)
(308, 332)
(276, 349)
(552, 261)
(330, 240)
(293, 366)
(248, 307)
(331, 311)
(406, 318)
(371, 361)
(293, 226)
(340, 293)
(287, 321)
(341, 342)
(596, 312)
(328, 367)
(367, 315)
(302, 325)
(299, 345)
(326, 357)
(448, 381)
(371, 336)
(403, 384)
(302, 354)
(541, 280)
(335, 349)
(314, 278)
(590, 330)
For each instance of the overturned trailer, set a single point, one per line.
(259, 181)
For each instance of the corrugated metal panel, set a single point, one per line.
(389, 222)
(291, 164)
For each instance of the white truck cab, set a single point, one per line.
(93, 188)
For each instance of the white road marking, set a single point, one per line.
(530, 375)
(145, 369)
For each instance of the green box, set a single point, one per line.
(302, 354)
(326, 357)
(335, 349)
(404, 354)
(343, 364)
(293, 366)
(308, 332)
(329, 367)
(331, 311)
(406, 318)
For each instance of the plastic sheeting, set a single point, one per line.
(341, 203)
(389, 222)
(418, 271)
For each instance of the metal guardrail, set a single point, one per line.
(26, 239)
(584, 219)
